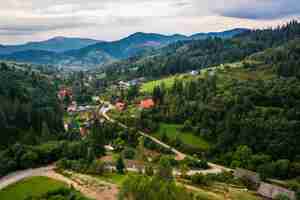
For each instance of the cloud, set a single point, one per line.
(23, 20)
(259, 9)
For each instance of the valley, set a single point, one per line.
(205, 117)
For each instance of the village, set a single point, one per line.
(81, 117)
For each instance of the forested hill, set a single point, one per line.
(249, 110)
(72, 51)
(29, 109)
(285, 59)
(189, 55)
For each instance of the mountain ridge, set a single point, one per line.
(57, 44)
(103, 52)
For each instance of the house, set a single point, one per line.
(66, 126)
(147, 104)
(124, 84)
(72, 108)
(63, 93)
(120, 106)
(109, 148)
(253, 177)
(83, 131)
(272, 191)
(194, 73)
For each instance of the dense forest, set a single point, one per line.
(29, 110)
(251, 113)
(196, 54)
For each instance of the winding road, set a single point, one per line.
(214, 168)
(110, 192)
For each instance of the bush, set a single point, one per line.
(282, 197)
(200, 179)
(29, 159)
(128, 153)
(195, 163)
(97, 167)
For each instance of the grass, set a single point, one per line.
(188, 138)
(114, 178)
(34, 186)
(224, 192)
(168, 82)
(240, 195)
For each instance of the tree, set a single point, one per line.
(129, 153)
(97, 167)
(187, 126)
(165, 170)
(141, 149)
(150, 188)
(149, 171)
(164, 136)
(46, 135)
(120, 166)
(96, 139)
(242, 157)
(282, 168)
(282, 197)
(29, 159)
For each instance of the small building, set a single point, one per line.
(272, 191)
(124, 84)
(66, 126)
(121, 106)
(83, 131)
(72, 108)
(109, 148)
(194, 73)
(147, 104)
(63, 93)
(253, 177)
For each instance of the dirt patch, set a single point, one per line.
(89, 186)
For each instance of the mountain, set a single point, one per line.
(98, 53)
(56, 44)
(225, 34)
(183, 56)
(129, 46)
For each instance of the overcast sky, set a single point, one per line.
(32, 20)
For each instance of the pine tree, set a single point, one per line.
(120, 166)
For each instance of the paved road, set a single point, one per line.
(98, 193)
(179, 155)
(19, 175)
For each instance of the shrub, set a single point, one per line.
(129, 153)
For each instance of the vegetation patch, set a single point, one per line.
(173, 131)
(35, 186)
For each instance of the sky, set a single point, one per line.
(35, 20)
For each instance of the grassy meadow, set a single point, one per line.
(34, 186)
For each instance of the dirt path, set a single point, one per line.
(88, 186)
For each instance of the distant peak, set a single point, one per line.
(59, 37)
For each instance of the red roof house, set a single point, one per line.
(63, 93)
(120, 106)
(147, 104)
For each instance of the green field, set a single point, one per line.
(115, 178)
(34, 186)
(168, 82)
(188, 138)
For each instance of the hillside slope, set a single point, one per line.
(98, 53)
